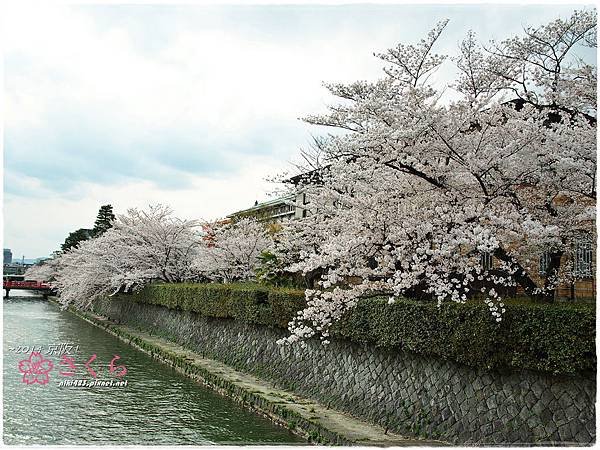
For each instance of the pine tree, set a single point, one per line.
(74, 238)
(104, 220)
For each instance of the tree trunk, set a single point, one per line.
(312, 277)
(521, 276)
(552, 272)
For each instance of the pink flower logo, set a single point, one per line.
(35, 369)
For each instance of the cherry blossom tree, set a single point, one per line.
(43, 271)
(421, 184)
(141, 247)
(231, 252)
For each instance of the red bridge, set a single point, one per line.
(45, 288)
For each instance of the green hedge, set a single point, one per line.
(552, 338)
(556, 338)
(248, 302)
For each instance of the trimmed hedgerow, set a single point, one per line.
(247, 302)
(557, 338)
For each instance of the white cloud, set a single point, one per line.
(222, 85)
(37, 225)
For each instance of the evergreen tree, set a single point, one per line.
(104, 220)
(74, 238)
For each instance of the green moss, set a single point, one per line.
(315, 436)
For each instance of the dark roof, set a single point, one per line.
(314, 176)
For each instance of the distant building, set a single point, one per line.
(292, 206)
(15, 269)
(7, 256)
(276, 210)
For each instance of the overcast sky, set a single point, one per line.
(191, 106)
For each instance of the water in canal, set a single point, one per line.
(157, 406)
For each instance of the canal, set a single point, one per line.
(156, 406)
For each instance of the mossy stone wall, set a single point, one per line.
(408, 393)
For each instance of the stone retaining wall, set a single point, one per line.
(407, 393)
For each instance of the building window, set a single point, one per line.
(487, 261)
(544, 263)
(583, 258)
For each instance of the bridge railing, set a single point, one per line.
(26, 285)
